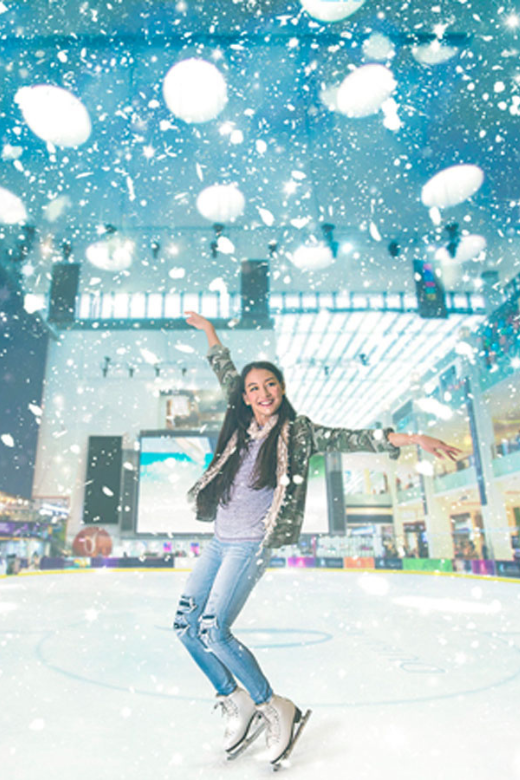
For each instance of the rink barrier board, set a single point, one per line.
(135, 570)
(482, 567)
(506, 570)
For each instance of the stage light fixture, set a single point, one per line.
(217, 228)
(272, 248)
(328, 236)
(453, 232)
(156, 248)
(394, 249)
(66, 249)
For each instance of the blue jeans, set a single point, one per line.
(216, 591)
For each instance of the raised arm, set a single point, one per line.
(201, 323)
(218, 355)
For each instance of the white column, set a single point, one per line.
(438, 522)
(391, 470)
(496, 527)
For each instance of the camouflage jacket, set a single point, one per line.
(306, 438)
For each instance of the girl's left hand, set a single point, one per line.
(437, 447)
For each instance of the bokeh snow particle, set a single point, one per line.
(195, 90)
(54, 114)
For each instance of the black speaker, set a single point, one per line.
(103, 483)
(431, 299)
(24, 341)
(335, 493)
(64, 288)
(254, 291)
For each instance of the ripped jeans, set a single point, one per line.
(216, 591)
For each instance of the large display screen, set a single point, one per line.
(169, 466)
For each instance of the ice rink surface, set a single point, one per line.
(408, 676)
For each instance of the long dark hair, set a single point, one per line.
(238, 418)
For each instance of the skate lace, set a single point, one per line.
(272, 719)
(228, 708)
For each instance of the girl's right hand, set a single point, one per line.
(196, 320)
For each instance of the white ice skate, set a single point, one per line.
(284, 725)
(244, 722)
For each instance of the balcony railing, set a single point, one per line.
(217, 305)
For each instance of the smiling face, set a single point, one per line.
(263, 393)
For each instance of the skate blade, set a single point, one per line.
(255, 729)
(277, 765)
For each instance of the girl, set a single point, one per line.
(254, 490)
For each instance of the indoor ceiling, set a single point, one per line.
(352, 368)
(142, 169)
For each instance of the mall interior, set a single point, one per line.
(334, 186)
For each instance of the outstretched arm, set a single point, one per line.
(376, 440)
(428, 443)
(348, 440)
(201, 323)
